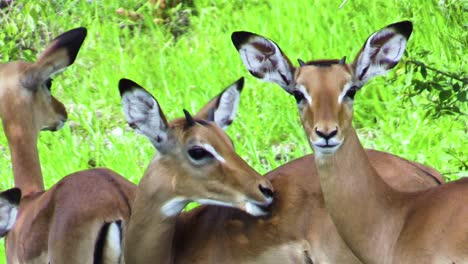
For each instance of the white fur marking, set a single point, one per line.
(113, 245)
(306, 94)
(253, 209)
(213, 152)
(213, 202)
(343, 93)
(174, 206)
(8, 213)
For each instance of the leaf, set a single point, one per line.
(423, 71)
(437, 86)
(444, 95)
(462, 96)
(456, 87)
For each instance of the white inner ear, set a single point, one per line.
(227, 108)
(8, 214)
(271, 66)
(142, 110)
(379, 59)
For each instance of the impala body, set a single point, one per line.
(379, 223)
(296, 228)
(77, 219)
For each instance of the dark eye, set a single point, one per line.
(298, 95)
(198, 153)
(351, 92)
(48, 83)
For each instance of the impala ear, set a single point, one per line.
(381, 52)
(9, 201)
(143, 113)
(58, 55)
(264, 59)
(223, 107)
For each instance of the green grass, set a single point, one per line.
(186, 73)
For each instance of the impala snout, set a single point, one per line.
(325, 139)
(266, 191)
(326, 134)
(259, 205)
(59, 114)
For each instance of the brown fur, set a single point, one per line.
(385, 225)
(299, 227)
(59, 225)
(368, 225)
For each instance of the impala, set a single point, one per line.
(381, 224)
(78, 220)
(9, 201)
(197, 163)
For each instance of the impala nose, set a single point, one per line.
(326, 134)
(266, 191)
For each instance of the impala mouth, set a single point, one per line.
(325, 147)
(55, 127)
(258, 209)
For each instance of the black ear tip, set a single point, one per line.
(72, 41)
(240, 37)
(126, 85)
(240, 84)
(78, 34)
(404, 27)
(13, 195)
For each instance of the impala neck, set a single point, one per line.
(363, 207)
(148, 226)
(24, 157)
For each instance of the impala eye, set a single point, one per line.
(351, 92)
(199, 153)
(48, 83)
(298, 95)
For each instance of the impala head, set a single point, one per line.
(9, 201)
(25, 88)
(197, 152)
(325, 89)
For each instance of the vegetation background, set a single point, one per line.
(181, 51)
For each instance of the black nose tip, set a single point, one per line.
(267, 192)
(326, 135)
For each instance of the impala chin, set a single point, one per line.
(257, 209)
(322, 147)
(55, 127)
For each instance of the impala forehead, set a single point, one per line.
(332, 79)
